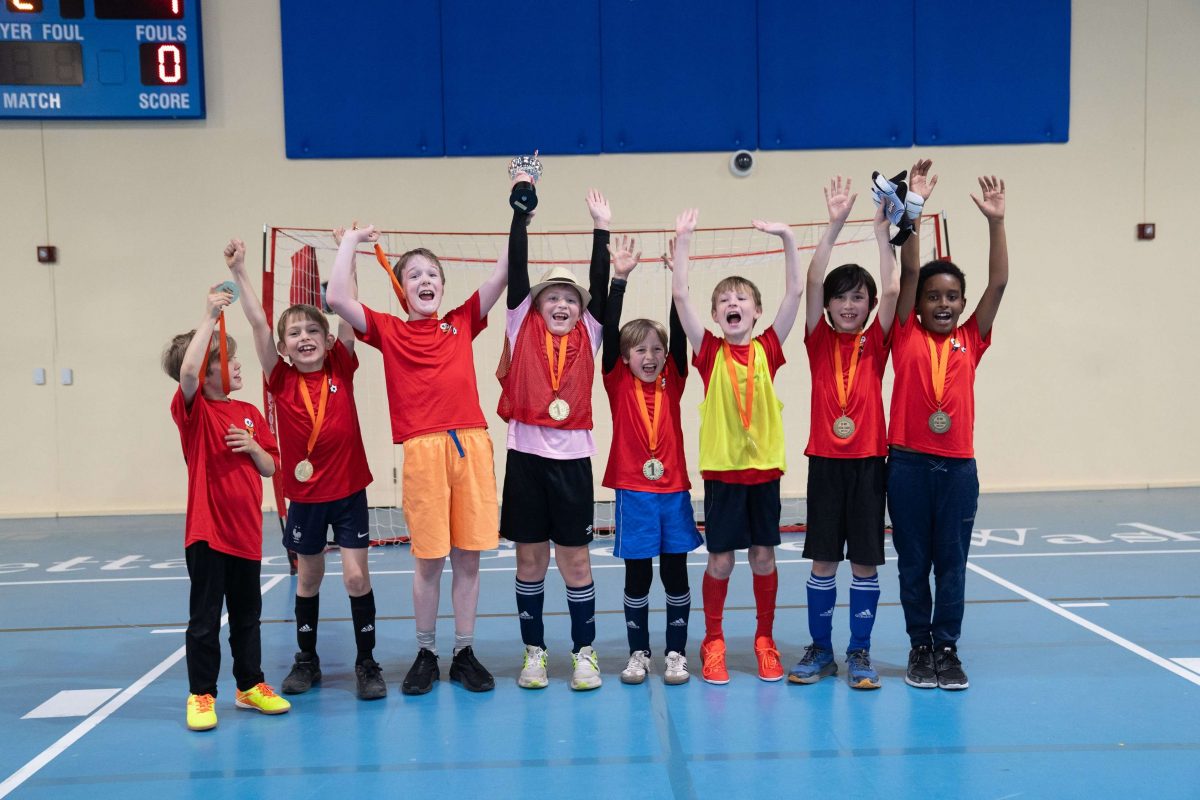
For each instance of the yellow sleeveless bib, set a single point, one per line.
(723, 442)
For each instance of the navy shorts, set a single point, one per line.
(846, 498)
(308, 522)
(546, 499)
(737, 515)
(649, 524)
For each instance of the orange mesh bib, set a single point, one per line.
(524, 374)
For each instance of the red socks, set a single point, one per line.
(714, 591)
(765, 589)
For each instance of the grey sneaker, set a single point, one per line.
(587, 670)
(635, 671)
(533, 674)
(371, 685)
(306, 670)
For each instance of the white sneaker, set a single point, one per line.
(533, 674)
(676, 671)
(635, 671)
(587, 670)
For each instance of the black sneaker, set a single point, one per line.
(950, 673)
(422, 673)
(370, 680)
(466, 669)
(921, 672)
(306, 670)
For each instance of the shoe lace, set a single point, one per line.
(204, 703)
(714, 657)
(810, 654)
(534, 656)
(265, 690)
(769, 656)
(635, 663)
(676, 662)
(948, 658)
(859, 660)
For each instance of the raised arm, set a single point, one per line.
(194, 366)
(264, 339)
(342, 292)
(992, 207)
(598, 272)
(623, 260)
(889, 276)
(920, 182)
(345, 331)
(839, 201)
(793, 283)
(693, 326)
(518, 259)
(678, 342)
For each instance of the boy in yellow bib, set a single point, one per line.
(742, 449)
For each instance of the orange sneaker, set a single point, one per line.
(769, 666)
(712, 656)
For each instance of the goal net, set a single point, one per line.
(297, 263)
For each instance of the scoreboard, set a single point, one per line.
(101, 59)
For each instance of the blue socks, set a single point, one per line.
(822, 597)
(637, 622)
(581, 602)
(864, 603)
(678, 610)
(530, 599)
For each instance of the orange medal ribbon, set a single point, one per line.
(317, 417)
(844, 389)
(556, 373)
(223, 345)
(652, 423)
(381, 257)
(744, 410)
(939, 362)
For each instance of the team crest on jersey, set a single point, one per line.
(446, 327)
(249, 423)
(333, 388)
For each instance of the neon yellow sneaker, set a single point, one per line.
(263, 698)
(200, 713)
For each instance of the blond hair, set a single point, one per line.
(736, 283)
(304, 311)
(172, 357)
(402, 262)
(635, 332)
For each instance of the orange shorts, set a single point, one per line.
(449, 493)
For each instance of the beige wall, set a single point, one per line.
(1092, 380)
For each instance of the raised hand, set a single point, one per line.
(685, 223)
(598, 208)
(235, 254)
(839, 200)
(919, 180)
(773, 228)
(218, 301)
(356, 234)
(668, 258)
(992, 204)
(624, 259)
(881, 224)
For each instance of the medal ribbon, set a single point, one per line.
(843, 390)
(652, 423)
(318, 418)
(556, 373)
(940, 362)
(748, 409)
(223, 346)
(381, 257)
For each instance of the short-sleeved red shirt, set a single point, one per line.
(338, 458)
(225, 490)
(706, 358)
(631, 441)
(864, 403)
(429, 366)
(912, 390)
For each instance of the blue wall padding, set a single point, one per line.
(679, 75)
(992, 71)
(362, 84)
(520, 78)
(835, 75)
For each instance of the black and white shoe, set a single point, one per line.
(950, 674)
(921, 672)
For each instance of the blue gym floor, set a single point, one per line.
(1082, 643)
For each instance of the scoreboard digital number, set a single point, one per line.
(101, 59)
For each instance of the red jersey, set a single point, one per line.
(225, 490)
(706, 358)
(429, 366)
(912, 390)
(864, 402)
(338, 458)
(631, 440)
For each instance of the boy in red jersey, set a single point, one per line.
(742, 449)
(646, 467)
(229, 450)
(325, 473)
(933, 486)
(551, 336)
(449, 482)
(846, 445)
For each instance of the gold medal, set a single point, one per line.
(653, 469)
(751, 446)
(559, 409)
(304, 470)
(939, 421)
(843, 427)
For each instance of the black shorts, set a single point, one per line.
(308, 522)
(738, 515)
(546, 499)
(846, 498)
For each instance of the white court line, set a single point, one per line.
(174, 630)
(1064, 605)
(1153, 658)
(75, 734)
(1191, 663)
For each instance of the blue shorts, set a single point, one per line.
(651, 523)
(308, 522)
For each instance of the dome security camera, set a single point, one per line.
(741, 163)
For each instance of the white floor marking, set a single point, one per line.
(72, 703)
(1072, 605)
(1153, 658)
(169, 630)
(1191, 663)
(75, 734)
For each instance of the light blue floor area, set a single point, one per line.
(1056, 708)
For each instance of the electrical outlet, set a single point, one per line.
(47, 254)
(1145, 231)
